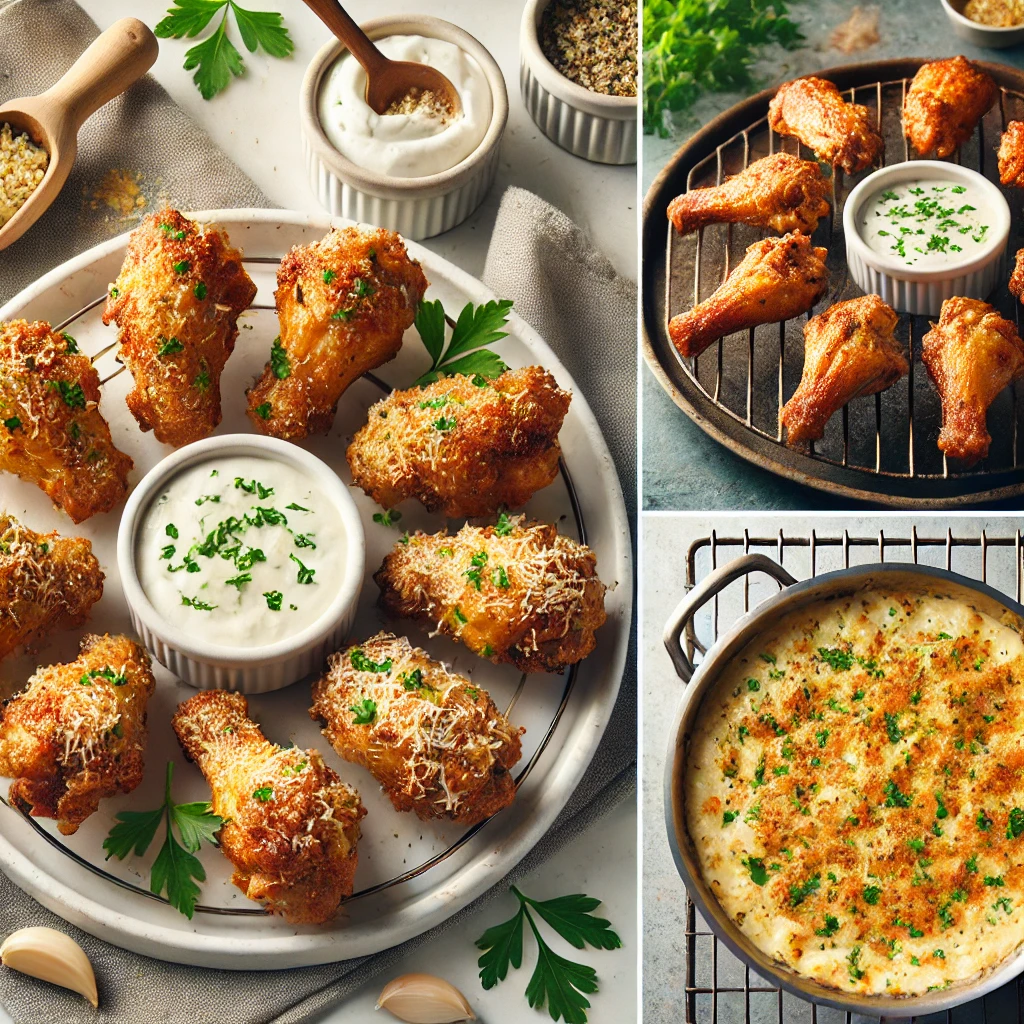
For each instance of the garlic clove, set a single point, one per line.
(52, 956)
(424, 999)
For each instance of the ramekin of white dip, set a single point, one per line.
(411, 173)
(241, 558)
(920, 232)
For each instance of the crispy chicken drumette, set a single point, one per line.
(435, 742)
(944, 104)
(51, 430)
(1016, 284)
(343, 304)
(840, 133)
(849, 350)
(972, 353)
(781, 192)
(463, 446)
(778, 279)
(291, 825)
(514, 593)
(78, 732)
(1011, 155)
(46, 582)
(177, 301)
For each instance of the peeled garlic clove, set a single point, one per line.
(424, 999)
(52, 956)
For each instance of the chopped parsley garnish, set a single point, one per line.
(239, 581)
(202, 381)
(753, 685)
(12, 423)
(892, 727)
(329, 276)
(364, 712)
(279, 364)
(799, 893)
(871, 894)
(263, 794)
(839, 660)
(831, 927)
(894, 797)
(412, 680)
(169, 347)
(296, 508)
(458, 616)
(305, 574)
(263, 410)
(72, 345)
(445, 423)
(199, 291)
(853, 961)
(503, 527)
(194, 602)
(253, 487)
(758, 872)
(388, 517)
(983, 821)
(1015, 825)
(182, 267)
(112, 677)
(72, 394)
(274, 599)
(361, 663)
(477, 562)
(500, 578)
(167, 551)
(728, 817)
(996, 880)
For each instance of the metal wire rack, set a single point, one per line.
(881, 444)
(569, 681)
(719, 988)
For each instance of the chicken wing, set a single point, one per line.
(344, 304)
(177, 301)
(1011, 155)
(971, 355)
(944, 104)
(516, 594)
(46, 582)
(51, 430)
(781, 192)
(1016, 284)
(849, 350)
(290, 824)
(78, 732)
(436, 743)
(778, 279)
(840, 133)
(463, 446)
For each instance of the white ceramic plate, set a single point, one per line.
(392, 843)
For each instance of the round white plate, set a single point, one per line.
(564, 718)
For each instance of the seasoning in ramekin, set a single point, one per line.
(997, 13)
(593, 43)
(22, 167)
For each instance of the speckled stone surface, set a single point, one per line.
(683, 468)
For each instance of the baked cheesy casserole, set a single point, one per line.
(855, 792)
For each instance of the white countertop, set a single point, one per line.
(602, 200)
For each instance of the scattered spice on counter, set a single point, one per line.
(120, 190)
(593, 43)
(997, 13)
(22, 167)
(858, 32)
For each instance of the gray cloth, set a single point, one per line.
(592, 328)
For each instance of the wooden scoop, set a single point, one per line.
(388, 82)
(115, 59)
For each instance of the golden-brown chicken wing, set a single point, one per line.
(781, 192)
(78, 733)
(849, 350)
(463, 446)
(515, 593)
(343, 304)
(435, 742)
(840, 133)
(778, 279)
(971, 355)
(291, 825)
(944, 104)
(46, 582)
(1016, 284)
(1011, 155)
(51, 430)
(177, 301)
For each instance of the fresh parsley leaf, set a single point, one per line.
(169, 347)
(504, 946)
(305, 575)
(387, 518)
(200, 291)
(279, 363)
(364, 712)
(263, 411)
(196, 824)
(72, 394)
(263, 29)
(177, 871)
(274, 599)
(476, 327)
(572, 917)
(133, 833)
(187, 18)
(361, 663)
(504, 526)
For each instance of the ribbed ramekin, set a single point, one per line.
(414, 207)
(250, 669)
(916, 290)
(978, 34)
(588, 124)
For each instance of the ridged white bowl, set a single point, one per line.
(978, 34)
(255, 669)
(414, 207)
(923, 290)
(589, 124)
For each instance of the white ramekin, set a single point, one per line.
(980, 35)
(922, 291)
(249, 670)
(414, 207)
(588, 124)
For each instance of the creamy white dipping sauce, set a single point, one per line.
(927, 223)
(241, 551)
(408, 145)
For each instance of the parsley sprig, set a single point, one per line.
(175, 869)
(561, 983)
(216, 59)
(476, 327)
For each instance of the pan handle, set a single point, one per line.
(703, 592)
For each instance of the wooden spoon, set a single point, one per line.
(388, 82)
(115, 59)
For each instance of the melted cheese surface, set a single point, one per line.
(855, 792)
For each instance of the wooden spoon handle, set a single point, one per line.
(337, 19)
(113, 61)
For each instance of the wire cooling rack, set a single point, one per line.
(720, 989)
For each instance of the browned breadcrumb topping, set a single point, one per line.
(997, 13)
(22, 168)
(593, 43)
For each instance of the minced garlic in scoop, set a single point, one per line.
(997, 13)
(22, 167)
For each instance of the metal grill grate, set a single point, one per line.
(888, 436)
(720, 989)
